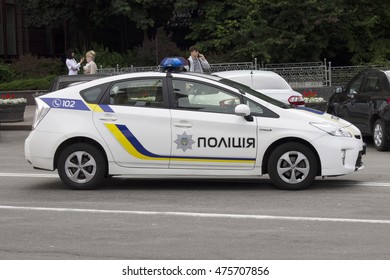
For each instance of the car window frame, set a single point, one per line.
(165, 104)
(99, 97)
(348, 87)
(365, 90)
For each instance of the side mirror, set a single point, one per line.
(338, 90)
(242, 110)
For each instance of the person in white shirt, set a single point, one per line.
(71, 63)
(91, 67)
(197, 61)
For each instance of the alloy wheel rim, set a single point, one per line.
(80, 167)
(378, 135)
(293, 167)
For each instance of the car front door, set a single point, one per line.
(206, 133)
(364, 105)
(347, 100)
(135, 122)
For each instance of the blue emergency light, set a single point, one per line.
(174, 64)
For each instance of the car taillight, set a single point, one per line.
(388, 100)
(40, 112)
(296, 100)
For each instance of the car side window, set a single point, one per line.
(139, 93)
(259, 110)
(93, 95)
(355, 85)
(373, 84)
(196, 96)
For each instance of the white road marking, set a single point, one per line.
(196, 215)
(29, 175)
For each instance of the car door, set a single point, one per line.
(364, 105)
(135, 123)
(346, 100)
(206, 133)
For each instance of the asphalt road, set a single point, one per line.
(338, 218)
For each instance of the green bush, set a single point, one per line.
(109, 59)
(6, 73)
(30, 66)
(28, 84)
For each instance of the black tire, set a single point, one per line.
(288, 174)
(379, 138)
(81, 166)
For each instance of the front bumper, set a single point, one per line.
(340, 155)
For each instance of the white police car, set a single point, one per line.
(185, 125)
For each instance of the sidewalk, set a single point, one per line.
(26, 124)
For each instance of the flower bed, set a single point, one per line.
(314, 101)
(12, 109)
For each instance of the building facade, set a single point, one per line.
(17, 38)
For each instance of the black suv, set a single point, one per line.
(365, 102)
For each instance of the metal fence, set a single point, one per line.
(301, 75)
(298, 75)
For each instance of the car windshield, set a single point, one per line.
(251, 91)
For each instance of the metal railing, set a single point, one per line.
(301, 75)
(341, 75)
(298, 75)
(217, 67)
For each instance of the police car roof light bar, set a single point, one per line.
(173, 64)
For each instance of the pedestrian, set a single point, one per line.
(90, 67)
(197, 61)
(71, 63)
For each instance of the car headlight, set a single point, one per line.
(332, 129)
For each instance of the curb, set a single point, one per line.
(8, 127)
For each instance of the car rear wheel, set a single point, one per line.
(379, 136)
(81, 166)
(292, 166)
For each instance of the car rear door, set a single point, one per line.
(135, 123)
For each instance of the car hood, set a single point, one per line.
(313, 116)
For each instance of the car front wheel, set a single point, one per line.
(379, 136)
(292, 166)
(81, 166)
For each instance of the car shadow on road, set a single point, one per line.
(128, 184)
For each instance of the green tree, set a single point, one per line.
(233, 30)
(290, 31)
(87, 16)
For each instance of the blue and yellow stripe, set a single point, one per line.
(132, 145)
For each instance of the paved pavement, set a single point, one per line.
(25, 124)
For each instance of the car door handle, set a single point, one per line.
(108, 117)
(183, 124)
